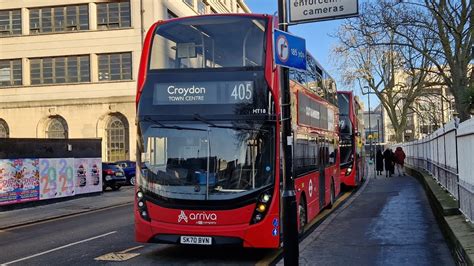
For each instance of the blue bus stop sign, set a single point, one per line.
(289, 50)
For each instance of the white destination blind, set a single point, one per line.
(209, 92)
(314, 10)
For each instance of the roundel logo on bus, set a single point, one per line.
(198, 217)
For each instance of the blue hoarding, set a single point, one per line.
(289, 50)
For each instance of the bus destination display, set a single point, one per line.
(220, 92)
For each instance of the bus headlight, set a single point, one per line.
(348, 171)
(261, 207)
(265, 198)
(141, 205)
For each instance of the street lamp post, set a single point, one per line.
(370, 126)
(289, 219)
(371, 153)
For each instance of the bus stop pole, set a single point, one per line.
(289, 219)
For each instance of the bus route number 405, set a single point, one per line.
(242, 92)
(196, 240)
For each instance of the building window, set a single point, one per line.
(171, 14)
(113, 15)
(10, 72)
(59, 19)
(68, 69)
(10, 22)
(117, 138)
(115, 66)
(189, 3)
(4, 130)
(57, 128)
(201, 7)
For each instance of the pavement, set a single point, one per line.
(388, 222)
(74, 206)
(457, 229)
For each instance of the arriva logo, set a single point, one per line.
(182, 216)
(199, 217)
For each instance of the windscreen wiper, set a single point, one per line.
(202, 119)
(158, 124)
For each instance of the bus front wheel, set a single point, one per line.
(302, 214)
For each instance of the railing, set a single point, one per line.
(448, 155)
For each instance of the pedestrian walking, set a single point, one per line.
(387, 155)
(399, 160)
(379, 162)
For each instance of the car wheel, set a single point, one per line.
(104, 187)
(115, 187)
(132, 181)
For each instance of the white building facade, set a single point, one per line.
(68, 69)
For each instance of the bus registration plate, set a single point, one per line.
(196, 240)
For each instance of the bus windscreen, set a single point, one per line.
(198, 161)
(203, 43)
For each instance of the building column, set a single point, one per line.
(92, 16)
(25, 71)
(94, 68)
(25, 21)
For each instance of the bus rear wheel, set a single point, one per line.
(302, 215)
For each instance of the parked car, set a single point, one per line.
(129, 167)
(112, 176)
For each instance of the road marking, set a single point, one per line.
(115, 256)
(59, 248)
(119, 256)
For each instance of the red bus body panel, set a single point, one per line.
(357, 165)
(349, 180)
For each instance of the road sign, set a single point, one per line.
(289, 50)
(302, 11)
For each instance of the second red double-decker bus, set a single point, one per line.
(208, 143)
(351, 133)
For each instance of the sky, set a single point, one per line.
(318, 41)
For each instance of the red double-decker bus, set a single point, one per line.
(208, 141)
(351, 134)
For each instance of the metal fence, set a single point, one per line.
(448, 155)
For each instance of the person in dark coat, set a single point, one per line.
(387, 155)
(379, 162)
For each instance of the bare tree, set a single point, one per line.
(368, 56)
(449, 26)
